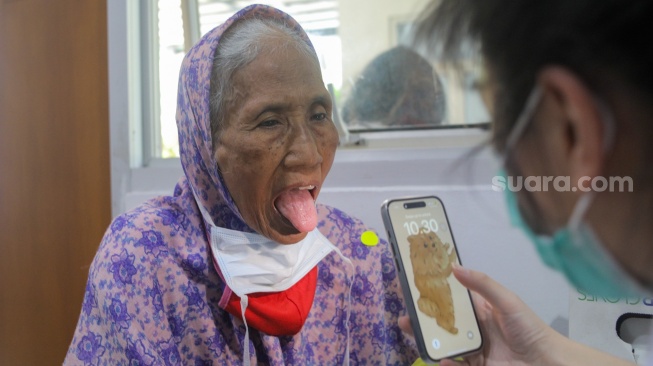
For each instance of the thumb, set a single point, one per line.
(404, 325)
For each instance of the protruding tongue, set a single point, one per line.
(298, 207)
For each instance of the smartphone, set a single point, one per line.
(440, 309)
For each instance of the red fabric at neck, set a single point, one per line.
(278, 313)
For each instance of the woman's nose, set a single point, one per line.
(304, 148)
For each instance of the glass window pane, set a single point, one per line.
(171, 53)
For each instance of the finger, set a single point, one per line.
(479, 301)
(494, 293)
(404, 325)
(483, 308)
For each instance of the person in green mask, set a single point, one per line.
(570, 91)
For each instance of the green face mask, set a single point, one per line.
(576, 252)
(573, 250)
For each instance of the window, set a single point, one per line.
(360, 55)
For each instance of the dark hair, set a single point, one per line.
(398, 87)
(599, 40)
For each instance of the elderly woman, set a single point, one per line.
(240, 265)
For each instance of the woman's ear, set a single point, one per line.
(581, 114)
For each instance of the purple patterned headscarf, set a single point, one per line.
(153, 294)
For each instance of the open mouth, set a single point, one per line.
(297, 205)
(310, 188)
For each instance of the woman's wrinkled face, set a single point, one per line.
(278, 142)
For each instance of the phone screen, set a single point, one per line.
(425, 249)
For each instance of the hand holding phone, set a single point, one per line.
(440, 309)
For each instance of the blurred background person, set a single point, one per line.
(399, 88)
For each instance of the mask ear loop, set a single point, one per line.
(243, 298)
(351, 284)
(609, 126)
(609, 123)
(243, 306)
(582, 205)
(523, 120)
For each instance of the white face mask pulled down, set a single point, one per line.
(251, 263)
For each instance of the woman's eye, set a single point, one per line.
(269, 123)
(319, 116)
